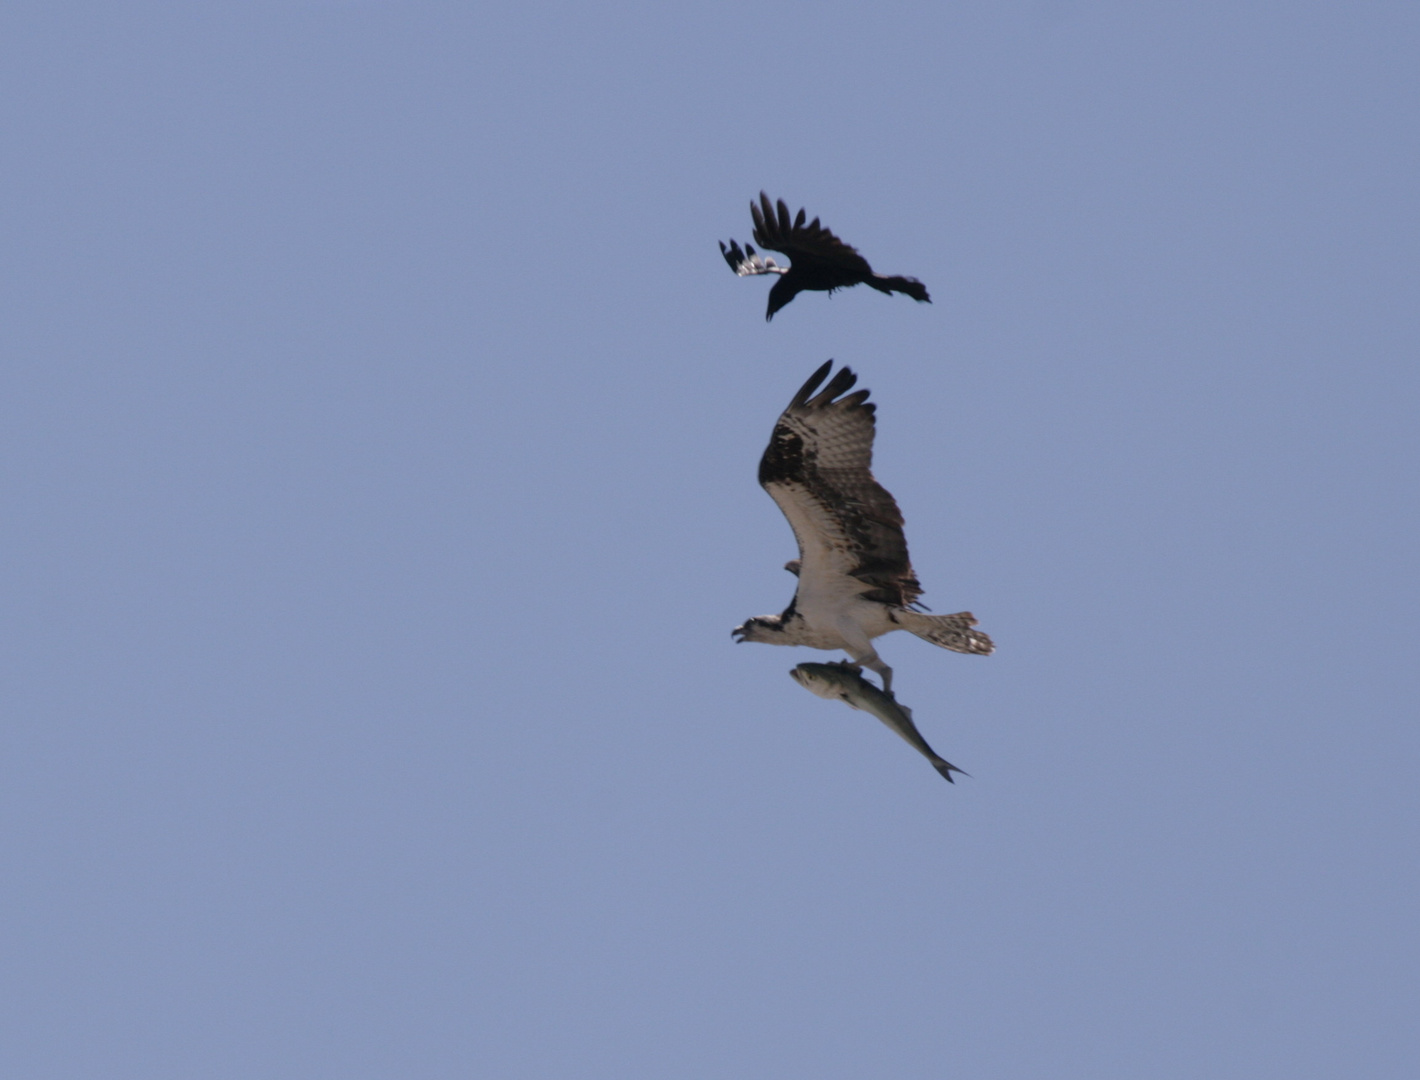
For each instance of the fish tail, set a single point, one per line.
(946, 768)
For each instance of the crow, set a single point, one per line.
(819, 260)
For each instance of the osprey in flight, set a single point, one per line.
(818, 259)
(855, 580)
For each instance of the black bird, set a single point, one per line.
(818, 259)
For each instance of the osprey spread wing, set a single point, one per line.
(855, 579)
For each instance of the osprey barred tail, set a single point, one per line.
(855, 579)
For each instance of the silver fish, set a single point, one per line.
(844, 682)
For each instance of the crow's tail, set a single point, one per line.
(911, 286)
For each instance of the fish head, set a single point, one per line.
(826, 680)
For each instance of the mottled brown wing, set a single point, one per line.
(818, 468)
(774, 230)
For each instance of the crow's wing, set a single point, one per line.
(811, 243)
(749, 262)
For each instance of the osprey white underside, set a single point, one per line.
(838, 622)
(830, 610)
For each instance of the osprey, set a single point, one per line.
(819, 259)
(855, 580)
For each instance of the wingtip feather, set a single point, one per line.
(812, 384)
(840, 383)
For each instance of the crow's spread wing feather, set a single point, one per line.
(749, 262)
(810, 243)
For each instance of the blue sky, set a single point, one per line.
(378, 433)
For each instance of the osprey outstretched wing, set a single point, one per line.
(818, 259)
(818, 468)
(855, 578)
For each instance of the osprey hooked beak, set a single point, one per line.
(739, 634)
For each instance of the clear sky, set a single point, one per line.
(378, 434)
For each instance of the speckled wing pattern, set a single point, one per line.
(748, 262)
(818, 468)
(775, 230)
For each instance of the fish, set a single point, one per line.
(844, 682)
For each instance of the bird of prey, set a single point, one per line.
(855, 579)
(818, 259)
